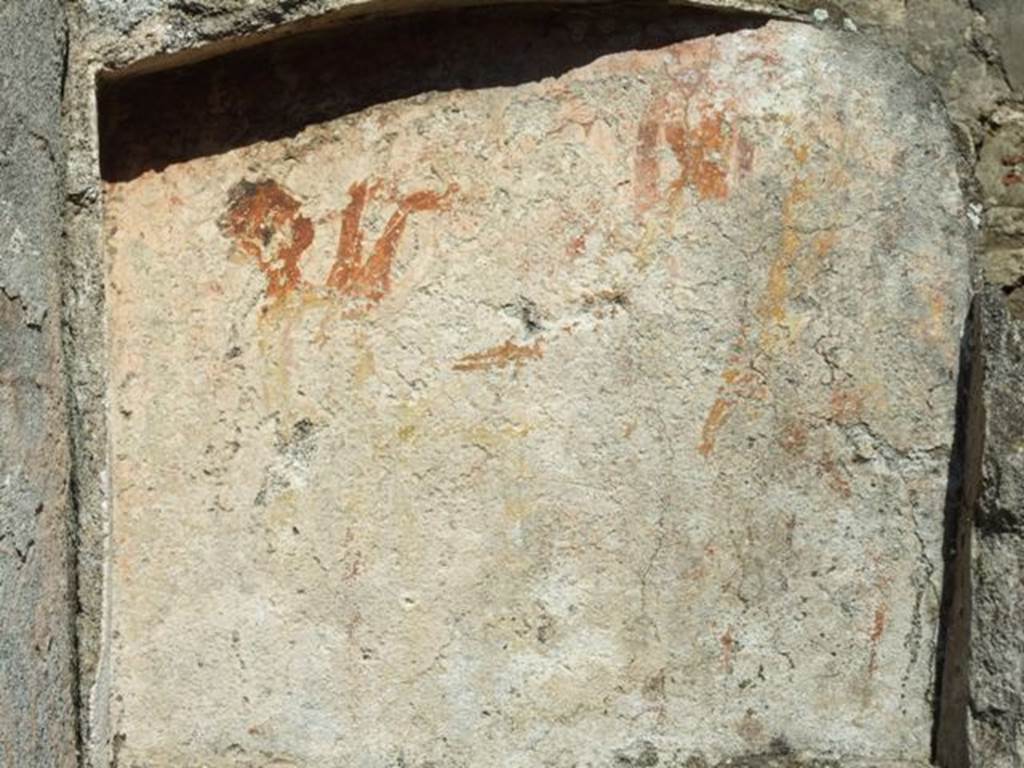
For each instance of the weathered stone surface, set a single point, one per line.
(967, 49)
(543, 424)
(943, 38)
(996, 714)
(37, 713)
(1003, 266)
(1005, 20)
(1006, 224)
(1001, 166)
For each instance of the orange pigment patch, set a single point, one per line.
(369, 277)
(705, 153)
(264, 221)
(745, 384)
(501, 356)
(932, 325)
(700, 153)
(716, 418)
(875, 635)
(800, 151)
(739, 382)
(824, 243)
(846, 406)
(773, 306)
(878, 626)
(576, 247)
(795, 262)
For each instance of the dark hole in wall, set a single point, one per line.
(274, 89)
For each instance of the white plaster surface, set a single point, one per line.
(544, 424)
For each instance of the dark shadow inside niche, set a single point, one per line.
(274, 89)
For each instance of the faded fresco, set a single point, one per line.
(542, 423)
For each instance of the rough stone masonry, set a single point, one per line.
(549, 386)
(37, 644)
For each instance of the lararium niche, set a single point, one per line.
(529, 386)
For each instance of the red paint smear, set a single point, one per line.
(261, 213)
(501, 356)
(370, 279)
(877, 628)
(695, 150)
(576, 246)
